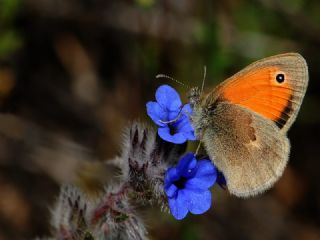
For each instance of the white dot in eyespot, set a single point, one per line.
(189, 170)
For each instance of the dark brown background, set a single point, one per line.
(74, 73)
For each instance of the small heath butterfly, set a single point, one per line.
(243, 122)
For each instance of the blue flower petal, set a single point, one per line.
(171, 190)
(156, 113)
(187, 184)
(171, 175)
(169, 114)
(187, 109)
(186, 128)
(178, 206)
(184, 123)
(204, 177)
(177, 138)
(186, 165)
(198, 203)
(168, 98)
(174, 115)
(190, 135)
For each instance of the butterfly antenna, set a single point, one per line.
(198, 148)
(171, 78)
(204, 77)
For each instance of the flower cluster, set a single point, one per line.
(187, 184)
(171, 116)
(150, 173)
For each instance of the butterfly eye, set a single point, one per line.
(280, 78)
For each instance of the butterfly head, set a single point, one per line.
(194, 96)
(198, 122)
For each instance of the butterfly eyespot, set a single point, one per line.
(280, 78)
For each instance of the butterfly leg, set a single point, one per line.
(198, 148)
(176, 119)
(173, 120)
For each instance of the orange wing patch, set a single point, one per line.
(260, 92)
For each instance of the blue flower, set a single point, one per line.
(187, 184)
(171, 116)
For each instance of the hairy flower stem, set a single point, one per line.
(113, 214)
(109, 205)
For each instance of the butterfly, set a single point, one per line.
(243, 122)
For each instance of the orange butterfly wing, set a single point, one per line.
(259, 91)
(257, 88)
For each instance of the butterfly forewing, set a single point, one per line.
(257, 88)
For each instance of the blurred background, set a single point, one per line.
(74, 73)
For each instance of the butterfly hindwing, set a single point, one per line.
(249, 150)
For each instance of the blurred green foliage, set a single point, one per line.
(9, 9)
(10, 40)
(145, 3)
